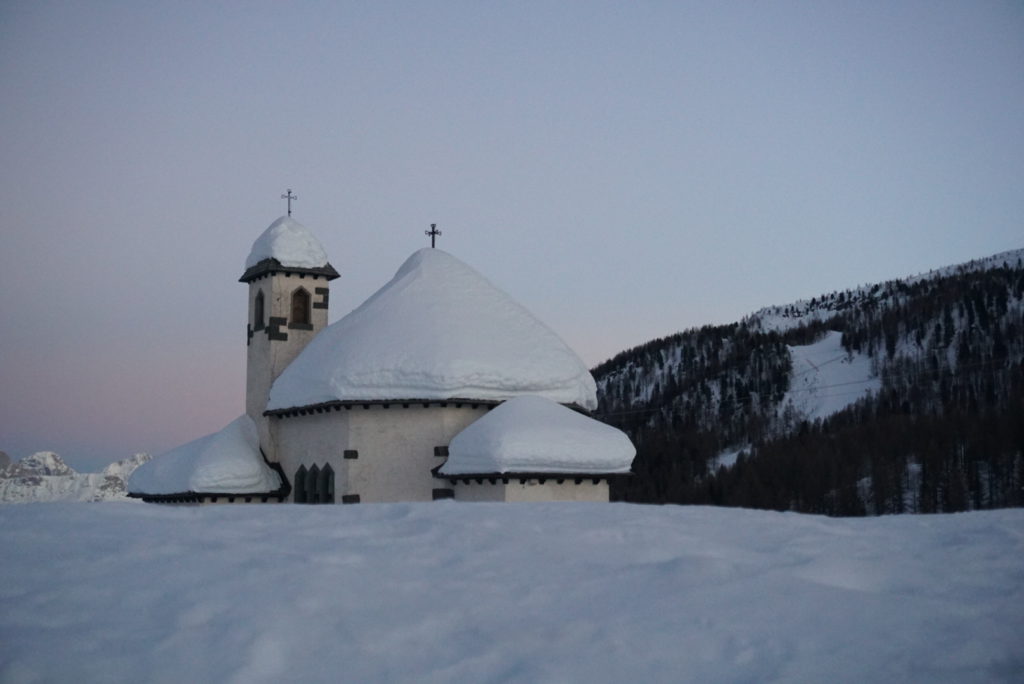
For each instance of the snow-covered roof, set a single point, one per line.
(290, 243)
(437, 330)
(228, 461)
(530, 434)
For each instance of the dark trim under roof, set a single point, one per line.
(271, 266)
(494, 478)
(349, 404)
(211, 497)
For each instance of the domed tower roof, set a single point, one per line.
(438, 330)
(287, 245)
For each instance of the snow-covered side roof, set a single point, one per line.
(290, 243)
(437, 330)
(227, 462)
(530, 434)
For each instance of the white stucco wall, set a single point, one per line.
(531, 490)
(267, 358)
(395, 445)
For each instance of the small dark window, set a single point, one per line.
(300, 307)
(257, 312)
(300, 485)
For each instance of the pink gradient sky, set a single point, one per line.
(625, 171)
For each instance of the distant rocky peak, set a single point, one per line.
(39, 463)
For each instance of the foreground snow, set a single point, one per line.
(450, 592)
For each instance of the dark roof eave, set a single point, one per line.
(338, 404)
(271, 266)
(513, 475)
(186, 497)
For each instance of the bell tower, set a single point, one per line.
(288, 275)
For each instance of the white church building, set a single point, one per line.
(438, 386)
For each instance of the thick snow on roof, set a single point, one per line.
(437, 330)
(290, 243)
(531, 434)
(228, 461)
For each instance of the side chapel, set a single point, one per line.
(439, 386)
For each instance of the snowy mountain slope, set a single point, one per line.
(437, 593)
(782, 318)
(909, 357)
(44, 476)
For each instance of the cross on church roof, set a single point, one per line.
(289, 196)
(433, 233)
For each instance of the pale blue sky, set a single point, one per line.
(623, 170)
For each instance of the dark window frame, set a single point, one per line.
(301, 316)
(259, 309)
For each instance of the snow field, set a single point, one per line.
(450, 592)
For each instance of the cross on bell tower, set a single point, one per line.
(289, 196)
(433, 233)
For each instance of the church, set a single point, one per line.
(439, 386)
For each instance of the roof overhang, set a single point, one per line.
(272, 266)
(493, 478)
(349, 404)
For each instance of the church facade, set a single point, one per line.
(369, 409)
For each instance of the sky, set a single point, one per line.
(624, 170)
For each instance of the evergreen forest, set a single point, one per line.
(943, 430)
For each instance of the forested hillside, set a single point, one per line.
(906, 396)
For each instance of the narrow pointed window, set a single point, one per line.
(300, 308)
(257, 312)
(312, 495)
(299, 495)
(325, 486)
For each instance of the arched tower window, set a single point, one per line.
(258, 319)
(300, 307)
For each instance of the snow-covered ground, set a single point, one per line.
(450, 592)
